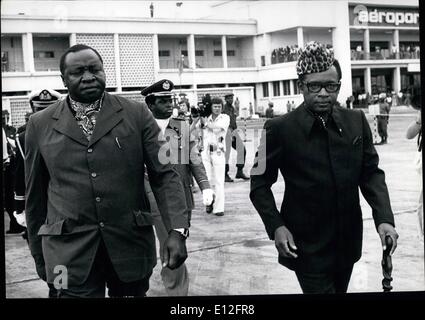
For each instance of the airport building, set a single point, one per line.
(245, 47)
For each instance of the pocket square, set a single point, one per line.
(357, 140)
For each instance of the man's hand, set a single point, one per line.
(40, 266)
(20, 218)
(174, 252)
(207, 197)
(284, 242)
(386, 229)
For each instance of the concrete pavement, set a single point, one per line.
(232, 255)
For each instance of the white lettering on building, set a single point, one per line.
(390, 17)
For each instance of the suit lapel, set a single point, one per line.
(67, 125)
(108, 117)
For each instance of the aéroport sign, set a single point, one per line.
(361, 15)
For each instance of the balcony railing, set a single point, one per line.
(201, 64)
(384, 55)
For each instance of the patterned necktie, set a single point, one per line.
(323, 121)
(86, 114)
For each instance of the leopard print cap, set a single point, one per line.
(315, 57)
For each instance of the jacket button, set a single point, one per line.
(101, 224)
(94, 174)
(97, 199)
(90, 150)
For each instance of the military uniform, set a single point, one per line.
(39, 99)
(233, 140)
(183, 153)
(9, 175)
(384, 110)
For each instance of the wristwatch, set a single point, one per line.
(184, 232)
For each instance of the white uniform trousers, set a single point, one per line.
(215, 163)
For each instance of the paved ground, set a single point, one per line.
(231, 255)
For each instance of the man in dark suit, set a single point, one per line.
(324, 153)
(183, 154)
(87, 213)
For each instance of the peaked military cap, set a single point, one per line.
(162, 88)
(229, 95)
(43, 98)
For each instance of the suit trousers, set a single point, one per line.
(326, 282)
(214, 163)
(175, 281)
(233, 140)
(383, 127)
(102, 273)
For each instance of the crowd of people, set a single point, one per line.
(285, 54)
(97, 218)
(404, 52)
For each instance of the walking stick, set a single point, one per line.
(387, 265)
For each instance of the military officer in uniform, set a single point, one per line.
(182, 152)
(9, 174)
(233, 140)
(39, 99)
(383, 117)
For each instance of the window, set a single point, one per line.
(164, 53)
(263, 61)
(286, 88)
(217, 53)
(184, 52)
(230, 53)
(276, 89)
(265, 89)
(44, 54)
(199, 53)
(296, 88)
(216, 42)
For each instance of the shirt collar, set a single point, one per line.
(163, 124)
(308, 120)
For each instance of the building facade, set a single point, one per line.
(253, 55)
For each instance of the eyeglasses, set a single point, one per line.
(316, 87)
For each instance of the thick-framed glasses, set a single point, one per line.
(315, 87)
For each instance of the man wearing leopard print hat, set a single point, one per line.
(325, 153)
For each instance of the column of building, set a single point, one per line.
(267, 48)
(28, 52)
(191, 56)
(396, 70)
(367, 71)
(118, 62)
(224, 51)
(155, 48)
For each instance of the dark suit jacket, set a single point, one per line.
(80, 192)
(321, 204)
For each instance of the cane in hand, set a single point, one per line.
(387, 265)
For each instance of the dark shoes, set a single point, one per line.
(15, 229)
(219, 214)
(241, 175)
(227, 178)
(209, 208)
